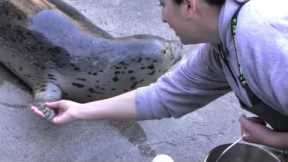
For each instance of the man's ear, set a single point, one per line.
(189, 7)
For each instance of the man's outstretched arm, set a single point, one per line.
(119, 107)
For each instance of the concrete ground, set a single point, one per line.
(24, 137)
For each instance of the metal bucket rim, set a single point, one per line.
(248, 144)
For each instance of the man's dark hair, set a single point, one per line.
(212, 2)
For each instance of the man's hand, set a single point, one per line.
(119, 107)
(67, 111)
(256, 131)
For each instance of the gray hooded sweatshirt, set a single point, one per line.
(262, 52)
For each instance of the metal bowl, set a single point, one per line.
(242, 152)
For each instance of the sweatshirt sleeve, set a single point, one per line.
(191, 85)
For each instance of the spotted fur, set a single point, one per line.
(59, 53)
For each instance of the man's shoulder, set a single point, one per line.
(264, 10)
(258, 17)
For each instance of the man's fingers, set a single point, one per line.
(60, 119)
(255, 131)
(251, 123)
(244, 121)
(245, 127)
(37, 111)
(56, 120)
(53, 105)
(257, 120)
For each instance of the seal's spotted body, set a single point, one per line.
(58, 53)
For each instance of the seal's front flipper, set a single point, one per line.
(47, 93)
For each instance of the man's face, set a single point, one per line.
(183, 19)
(173, 14)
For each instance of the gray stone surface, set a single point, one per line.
(24, 137)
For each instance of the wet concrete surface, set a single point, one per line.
(24, 137)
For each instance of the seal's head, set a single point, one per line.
(170, 51)
(174, 50)
(167, 51)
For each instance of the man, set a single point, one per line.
(246, 52)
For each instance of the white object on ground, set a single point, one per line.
(162, 158)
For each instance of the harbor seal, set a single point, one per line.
(59, 53)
